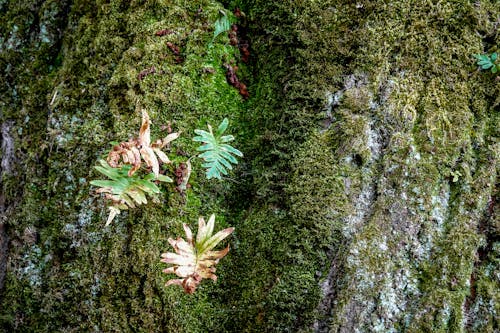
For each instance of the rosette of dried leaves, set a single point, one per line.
(131, 152)
(194, 260)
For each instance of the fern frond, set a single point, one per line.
(123, 190)
(194, 259)
(131, 152)
(216, 153)
(223, 24)
(487, 61)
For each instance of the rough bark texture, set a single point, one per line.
(367, 200)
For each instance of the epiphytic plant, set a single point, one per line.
(129, 185)
(130, 152)
(216, 153)
(223, 24)
(488, 61)
(125, 190)
(194, 259)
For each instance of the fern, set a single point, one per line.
(123, 190)
(223, 24)
(486, 61)
(194, 258)
(217, 154)
(131, 151)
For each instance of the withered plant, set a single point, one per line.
(126, 187)
(194, 260)
(130, 152)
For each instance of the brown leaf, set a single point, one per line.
(132, 152)
(174, 48)
(146, 72)
(163, 32)
(160, 143)
(195, 260)
(144, 132)
(233, 80)
(149, 157)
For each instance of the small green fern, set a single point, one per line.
(487, 61)
(223, 24)
(217, 154)
(123, 190)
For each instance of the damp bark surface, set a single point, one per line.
(367, 199)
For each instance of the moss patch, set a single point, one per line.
(371, 158)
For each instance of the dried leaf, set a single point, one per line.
(113, 211)
(132, 152)
(163, 32)
(185, 174)
(150, 158)
(194, 261)
(160, 143)
(161, 155)
(144, 132)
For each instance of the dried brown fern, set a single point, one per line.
(195, 260)
(131, 152)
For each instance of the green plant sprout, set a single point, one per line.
(124, 190)
(488, 61)
(217, 154)
(222, 25)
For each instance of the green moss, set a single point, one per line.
(92, 271)
(316, 190)
(354, 194)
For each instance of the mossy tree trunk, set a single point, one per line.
(367, 199)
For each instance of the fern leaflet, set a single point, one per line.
(216, 153)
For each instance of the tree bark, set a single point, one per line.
(367, 199)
